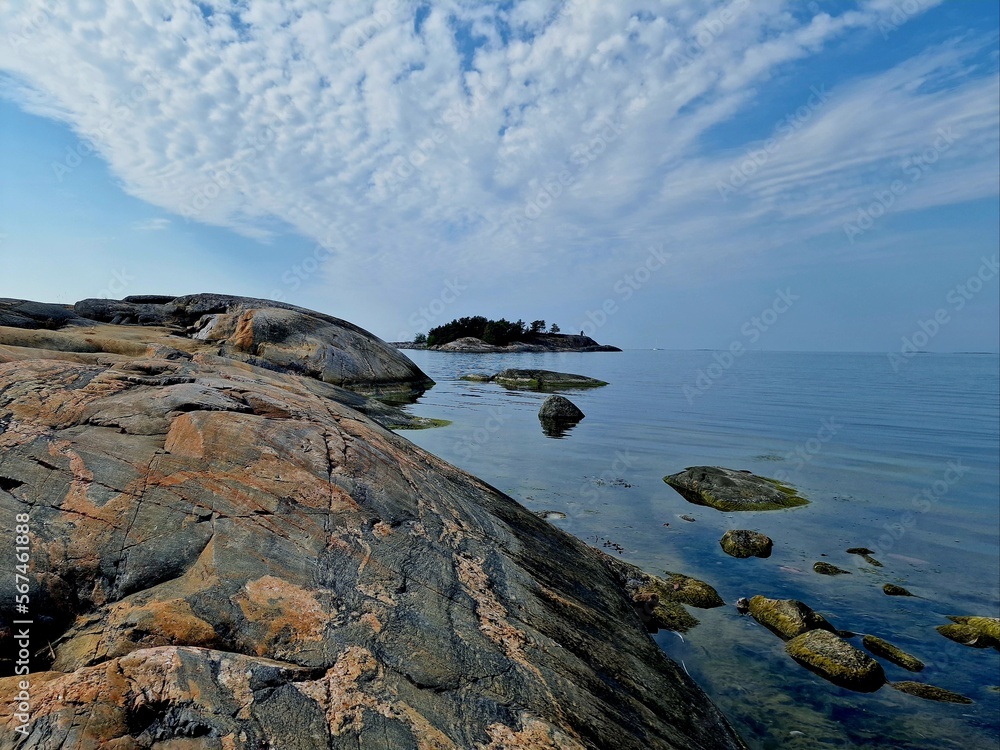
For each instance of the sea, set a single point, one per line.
(898, 455)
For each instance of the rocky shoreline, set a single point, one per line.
(229, 549)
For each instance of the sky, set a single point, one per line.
(818, 176)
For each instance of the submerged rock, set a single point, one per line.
(729, 490)
(891, 589)
(930, 692)
(225, 555)
(978, 632)
(540, 380)
(477, 377)
(827, 569)
(894, 654)
(866, 554)
(836, 660)
(742, 543)
(787, 617)
(668, 594)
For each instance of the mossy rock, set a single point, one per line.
(930, 692)
(836, 660)
(787, 618)
(978, 632)
(892, 653)
(826, 569)
(729, 490)
(671, 616)
(690, 591)
(743, 543)
(425, 423)
(539, 380)
(892, 589)
(477, 377)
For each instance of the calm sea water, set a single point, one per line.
(905, 463)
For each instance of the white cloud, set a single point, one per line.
(342, 122)
(151, 225)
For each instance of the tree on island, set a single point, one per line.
(420, 338)
(497, 332)
(554, 328)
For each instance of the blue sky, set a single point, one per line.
(657, 174)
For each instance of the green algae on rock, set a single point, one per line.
(540, 380)
(826, 569)
(730, 490)
(743, 543)
(892, 653)
(930, 692)
(978, 632)
(892, 589)
(836, 660)
(787, 618)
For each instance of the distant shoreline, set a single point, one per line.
(541, 342)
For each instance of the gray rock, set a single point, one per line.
(560, 409)
(729, 490)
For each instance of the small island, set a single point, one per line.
(480, 335)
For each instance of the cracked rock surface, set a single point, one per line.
(228, 556)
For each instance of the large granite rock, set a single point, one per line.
(274, 334)
(226, 556)
(836, 660)
(787, 618)
(729, 490)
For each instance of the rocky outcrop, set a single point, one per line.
(836, 660)
(891, 589)
(729, 490)
(542, 380)
(743, 543)
(787, 618)
(224, 555)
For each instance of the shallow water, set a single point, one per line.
(905, 463)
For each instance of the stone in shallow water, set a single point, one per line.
(787, 617)
(894, 654)
(892, 589)
(978, 632)
(836, 660)
(743, 543)
(729, 490)
(930, 692)
(827, 569)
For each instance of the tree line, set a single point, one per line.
(496, 332)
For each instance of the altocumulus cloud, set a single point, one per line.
(434, 133)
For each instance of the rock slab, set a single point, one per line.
(729, 490)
